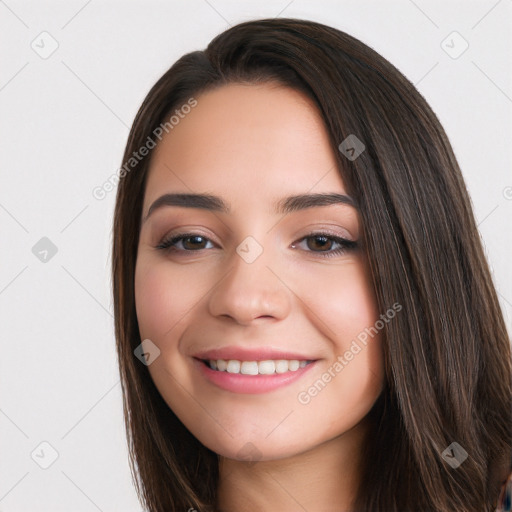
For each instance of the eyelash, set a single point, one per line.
(346, 245)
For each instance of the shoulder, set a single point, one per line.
(504, 503)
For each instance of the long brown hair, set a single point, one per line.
(447, 355)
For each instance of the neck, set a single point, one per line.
(323, 478)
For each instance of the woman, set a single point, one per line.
(305, 319)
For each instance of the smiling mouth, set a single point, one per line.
(267, 367)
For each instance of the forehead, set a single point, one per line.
(251, 142)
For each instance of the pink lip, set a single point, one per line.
(249, 384)
(247, 354)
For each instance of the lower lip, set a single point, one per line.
(250, 384)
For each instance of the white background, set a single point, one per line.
(64, 124)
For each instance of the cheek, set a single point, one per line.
(347, 384)
(342, 301)
(162, 297)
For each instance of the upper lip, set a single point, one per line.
(250, 354)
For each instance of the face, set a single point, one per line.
(258, 305)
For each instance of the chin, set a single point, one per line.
(258, 447)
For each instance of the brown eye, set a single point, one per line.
(324, 244)
(189, 242)
(193, 242)
(319, 243)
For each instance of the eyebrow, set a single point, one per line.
(216, 204)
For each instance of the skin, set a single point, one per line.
(253, 145)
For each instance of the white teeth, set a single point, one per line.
(293, 365)
(249, 368)
(281, 366)
(268, 367)
(233, 366)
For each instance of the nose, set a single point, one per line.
(251, 291)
